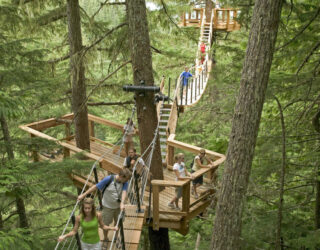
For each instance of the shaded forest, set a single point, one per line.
(281, 205)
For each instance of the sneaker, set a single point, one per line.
(177, 208)
(196, 196)
(192, 191)
(170, 205)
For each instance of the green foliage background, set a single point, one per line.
(32, 87)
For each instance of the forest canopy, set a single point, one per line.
(36, 198)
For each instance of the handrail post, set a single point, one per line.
(155, 207)
(202, 78)
(181, 92)
(192, 88)
(136, 187)
(199, 81)
(186, 197)
(186, 102)
(73, 219)
(123, 243)
(99, 192)
(169, 87)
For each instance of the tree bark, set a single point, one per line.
(159, 240)
(142, 71)
(79, 106)
(279, 241)
(208, 10)
(316, 125)
(245, 124)
(23, 221)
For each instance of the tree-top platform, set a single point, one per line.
(157, 212)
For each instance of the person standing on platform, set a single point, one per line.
(185, 75)
(181, 174)
(131, 159)
(89, 220)
(128, 131)
(197, 165)
(114, 192)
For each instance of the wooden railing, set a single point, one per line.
(35, 130)
(223, 19)
(193, 17)
(216, 157)
(156, 184)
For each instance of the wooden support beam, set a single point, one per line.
(155, 207)
(190, 148)
(48, 123)
(109, 166)
(34, 153)
(163, 183)
(91, 128)
(186, 197)
(170, 155)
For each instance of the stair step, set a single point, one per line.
(163, 121)
(167, 105)
(165, 115)
(162, 127)
(162, 133)
(163, 153)
(163, 139)
(163, 146)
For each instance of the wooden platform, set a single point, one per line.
(223, 19)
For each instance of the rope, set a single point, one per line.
(131, 192)
(87, 180)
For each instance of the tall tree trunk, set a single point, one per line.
(316, 125)
(23, 221)
(142, 71)
(279, 242)
(208, 10)
(146, 109)
(79, 106)
(245, 124)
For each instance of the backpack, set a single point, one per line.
(107, 185)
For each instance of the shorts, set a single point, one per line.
(109, 215)
(87, 246)
(178, 192)
(198, 180)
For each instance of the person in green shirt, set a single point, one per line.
(89, 220)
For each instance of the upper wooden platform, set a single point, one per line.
(222, 19)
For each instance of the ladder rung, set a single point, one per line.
(166, 121)
(162, 127)
(163, 146)
(162, 133)
(165, 115)
(163, 139)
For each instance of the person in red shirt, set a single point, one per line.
(203, 51)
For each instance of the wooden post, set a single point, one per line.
(66, 151)
(234, 19)
(155, 207)
(228, 19)
(186, 197)
(170, 156)
(215, 18)
(223, 15)
(91, 128)
(34, 153)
